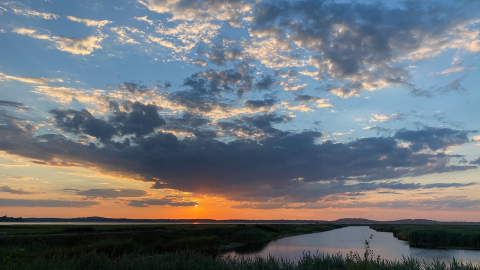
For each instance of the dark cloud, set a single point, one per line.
(259, 103)
(191, 123)
(238, 80)
(273, 163)
(304, 98)
(13, 104)
(359, 44)
(70, 189)
(188, 119)
(453, 86)
(140, 120)
(265, 83)
(46, 203)
(443, 203)
(134, 88)
(207, 90)
(388, 192)
(432, 138)
(380, 130)
(327, 195)
(254, 124)
(83, 122)
(477, 161)
(19, 191)
(220, 54)
(162, 202)
(112, 193)
(417, 92)
(448, 185)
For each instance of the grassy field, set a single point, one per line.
(435, 236)
(30, 243)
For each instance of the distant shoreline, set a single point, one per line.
(349, 221)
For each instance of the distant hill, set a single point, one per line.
(351, 221)
(11, 219)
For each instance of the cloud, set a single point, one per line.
(255, 125)
(474, 46)
(32, 13)
(200, 63)
(225, 10)
(265, 83)
(259, 103)
(31, 80)
(161, 202)
(19, 191)
(453, 86)
(444, 203)
(112, 193)
(45, 203)
(321, 103)
(183, 37)
(379, 130)
(477, 161)
(140, 120)
(81, 46)
(330, 35)
(432, 138)
(454, 69)
(145, 19)
(17, 105)
(83, 122)
(122, 35)
(70, 189)
(220, 54)
(88, 22)
(448, 185)
(261, 166)
(384, 118)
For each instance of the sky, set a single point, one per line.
(233, 109)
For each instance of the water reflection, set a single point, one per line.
(251, 249)
(350, 239)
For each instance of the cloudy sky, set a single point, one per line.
(248, 109)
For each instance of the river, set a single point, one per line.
(349, 239)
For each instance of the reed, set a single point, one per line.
(194, 261)
(435, 236)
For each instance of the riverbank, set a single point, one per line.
(435, 236)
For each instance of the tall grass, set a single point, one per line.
(436, 236)
(194, 261)
(183, 248)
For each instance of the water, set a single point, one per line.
(349, 239)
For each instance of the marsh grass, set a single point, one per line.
(435, 236)
(194, 261)
(180, 247)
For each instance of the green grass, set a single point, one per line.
(435, 236)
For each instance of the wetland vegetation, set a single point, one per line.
(435, 236)
(177, 246)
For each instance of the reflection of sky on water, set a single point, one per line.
(352, 239)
